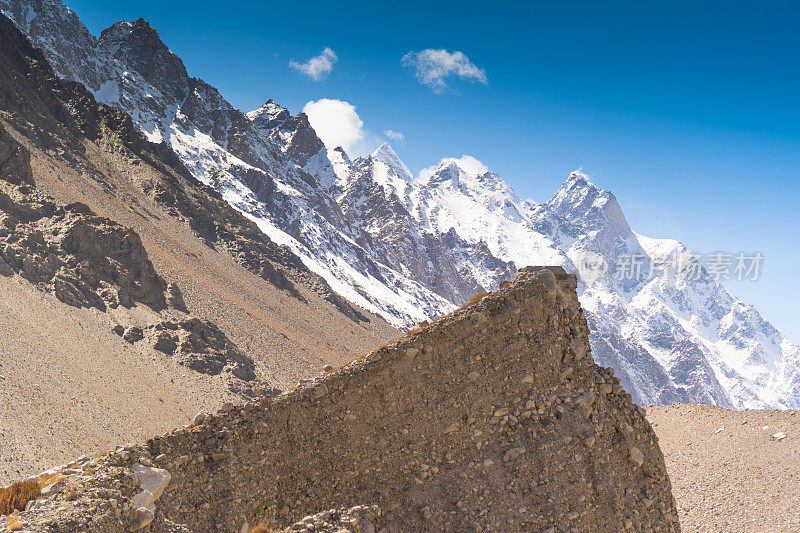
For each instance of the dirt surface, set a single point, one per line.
(729, 471)
(69, 385)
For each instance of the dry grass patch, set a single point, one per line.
(475, 299)
(17, 496)
(13, 524)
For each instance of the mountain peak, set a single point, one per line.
(140, 48)
(385, 154)
(269, 116)
(589, 208)
(466, 165)
(576, 189)
(384, 148)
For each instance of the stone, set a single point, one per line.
(585, 402)
(636, 456)
(578, 347)
(547, 277)
(320, 391)
(199, 418)
(133, 334)
(473, 376)
(152, 481)
(174, 297)
(451, 428)
(412, 352)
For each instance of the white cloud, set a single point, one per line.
(467, 163)
(394, 135)
(433, 67)
(337, 124)
(317, 67)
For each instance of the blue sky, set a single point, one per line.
(688, 111)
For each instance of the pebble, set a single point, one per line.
(513, 454)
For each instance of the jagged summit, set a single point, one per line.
(575, 190)
(386, 154)
(269, 116)
(446, 174)
(139, 46)
(583, 207)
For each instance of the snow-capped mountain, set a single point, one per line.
(411, 249)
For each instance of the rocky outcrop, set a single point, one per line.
(358, 519)
(493, 418)
(85, 260)
(15, 164)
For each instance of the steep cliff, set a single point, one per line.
(492, 418)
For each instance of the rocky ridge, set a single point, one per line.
(492, 418)
(56, 115)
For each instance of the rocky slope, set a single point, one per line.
(106, 241)
(91, 261)
(86, 152)
(403, 248)
(547, 441)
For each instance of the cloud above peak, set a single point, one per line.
(337, 123)
(467, 163)
(433, 67)
(318, 67)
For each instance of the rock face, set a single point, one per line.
(493, 418)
